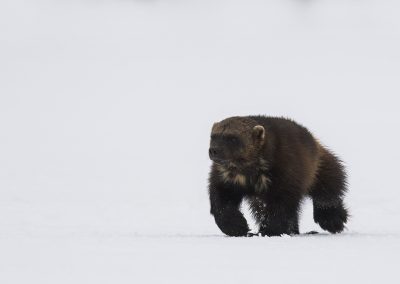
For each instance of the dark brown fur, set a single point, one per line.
(274, 162)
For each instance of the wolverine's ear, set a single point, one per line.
(259, 132)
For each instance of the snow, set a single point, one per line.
(105, 113)
(201, 259)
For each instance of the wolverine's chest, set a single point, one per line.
(256, 180)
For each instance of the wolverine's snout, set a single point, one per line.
(215, 154)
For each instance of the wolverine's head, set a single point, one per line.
(236, 141)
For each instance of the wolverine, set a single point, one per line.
(274, 163)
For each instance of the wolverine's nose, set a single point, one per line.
(213, 153)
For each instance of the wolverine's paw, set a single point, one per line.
(250, 235)
(331, 219)
(268, 233)
(271, 231)
(279, 227)
(232, 223)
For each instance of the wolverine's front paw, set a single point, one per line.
(232, 223)
(270, 233)
(250, 235)
(279, 228)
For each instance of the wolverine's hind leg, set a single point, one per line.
(327, 194)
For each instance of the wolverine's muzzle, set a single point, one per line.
(216, 155)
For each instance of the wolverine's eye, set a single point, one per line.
(232, 140)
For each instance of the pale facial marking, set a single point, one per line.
(227, 176)
(262, 183)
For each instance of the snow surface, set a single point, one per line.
(105, 113)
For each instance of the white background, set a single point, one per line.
(105, 113)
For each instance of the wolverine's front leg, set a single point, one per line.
(280, 216)
(225, 204)
(231, 222)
